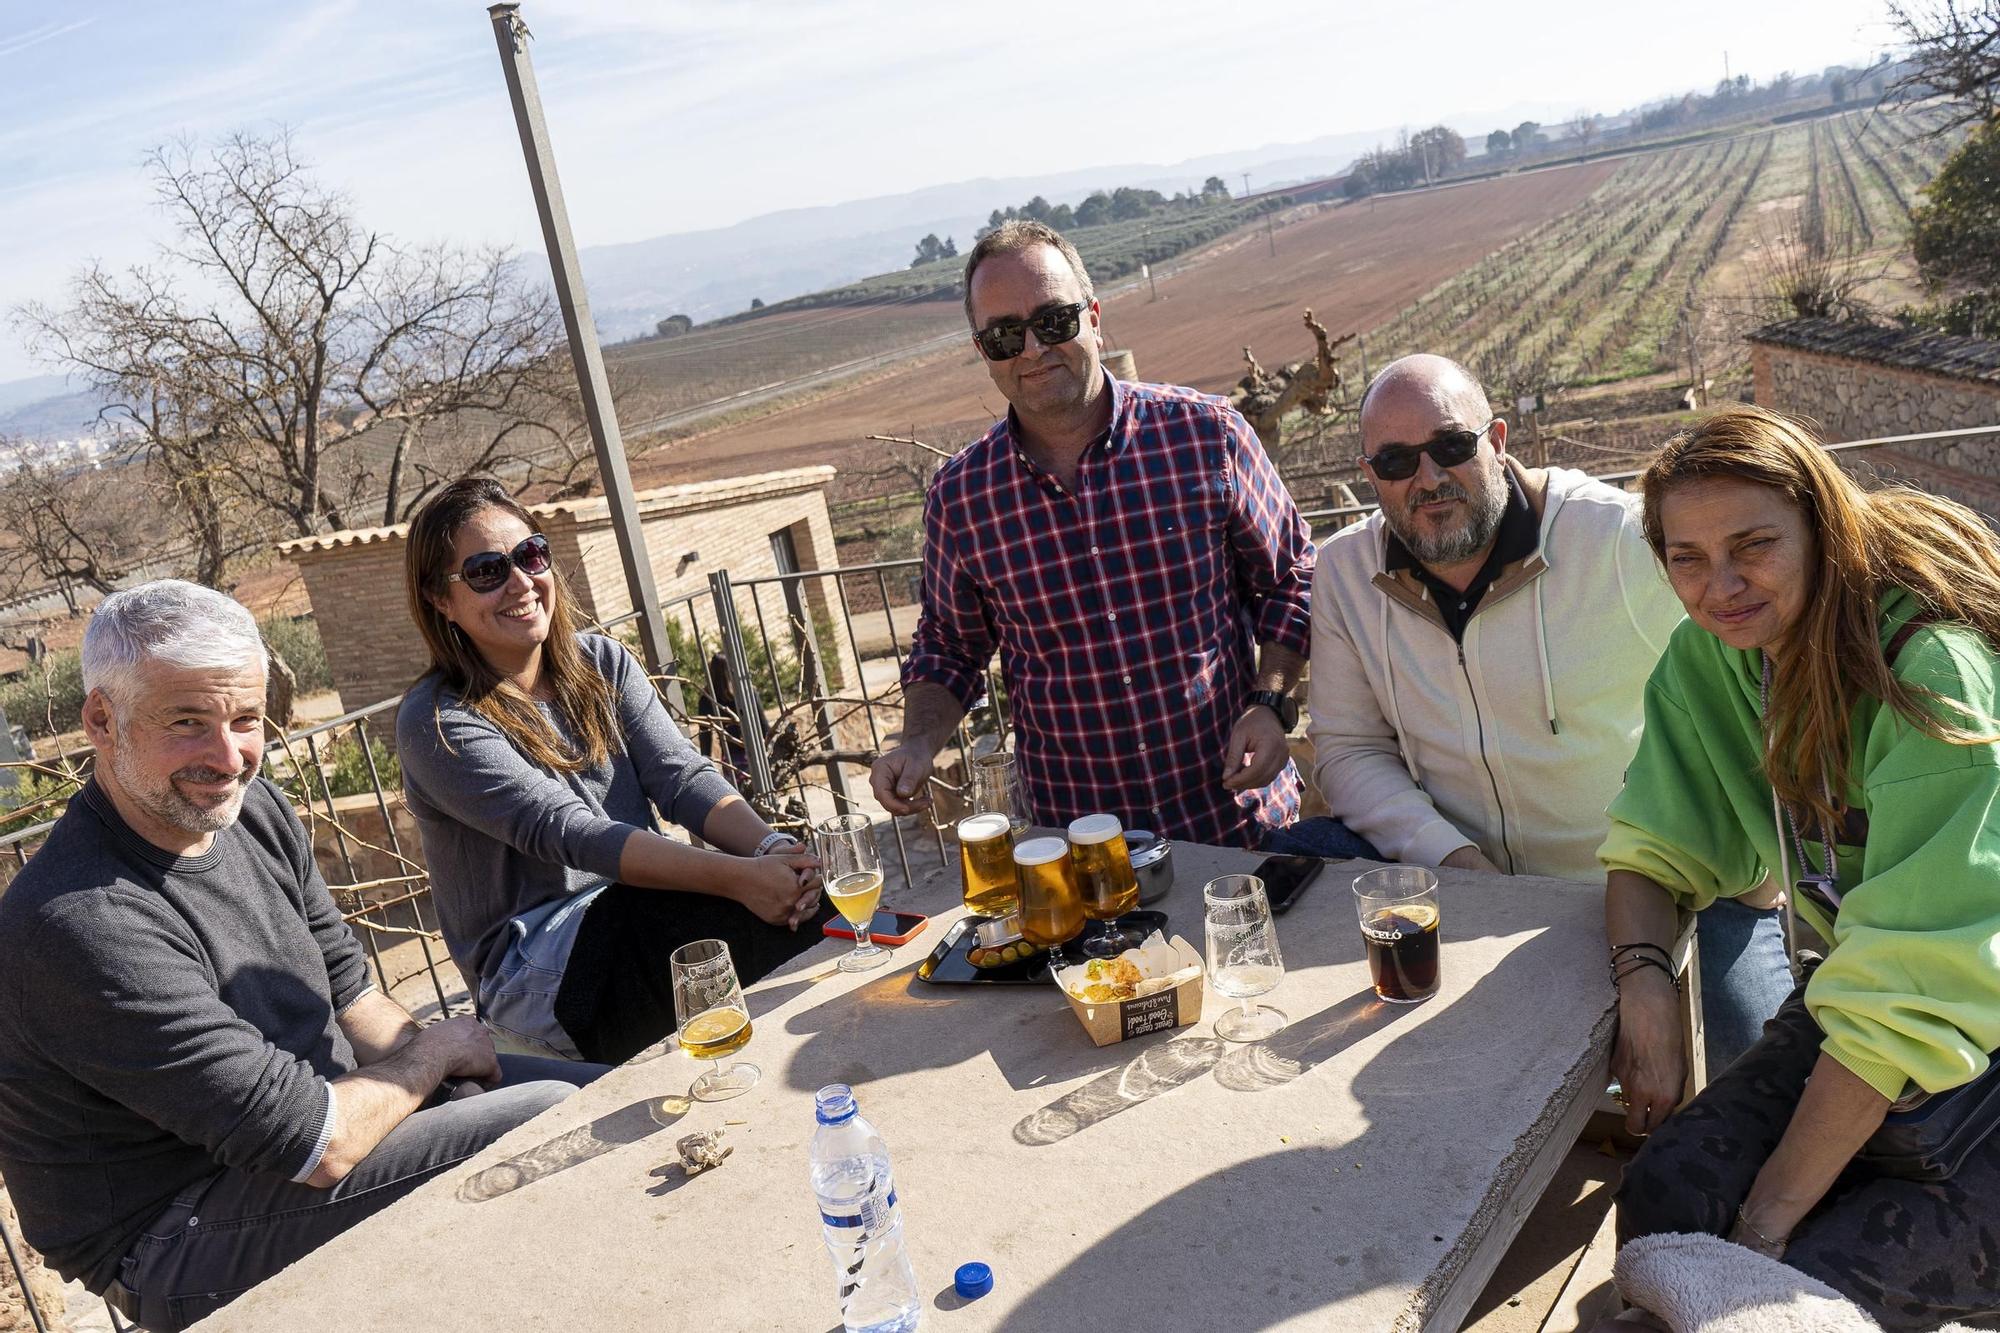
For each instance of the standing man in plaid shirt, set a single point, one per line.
(1131, 553)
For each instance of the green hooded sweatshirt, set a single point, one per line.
(1911, 989)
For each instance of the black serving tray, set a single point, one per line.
(948, 965)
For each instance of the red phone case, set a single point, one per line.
(838, 929)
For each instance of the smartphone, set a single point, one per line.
(886, 928)
(1286, 877)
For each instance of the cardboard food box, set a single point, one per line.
(1163, 1011)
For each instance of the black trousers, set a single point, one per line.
(1913, 1254)
(617, 994)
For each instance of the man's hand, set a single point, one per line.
(1469, 857)
(773, 886)
(1647, 1061)
(1257, 750)
(901, 778)
(466, 1047)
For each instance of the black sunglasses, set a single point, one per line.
(1005, 339)
(1447, 448)
(489, 569)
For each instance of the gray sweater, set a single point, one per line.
(502, 835)
(163, 1017)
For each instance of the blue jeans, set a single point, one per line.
(227, 1232)
(1744, 976)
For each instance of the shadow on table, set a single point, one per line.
(628, 1124)
(1254, 1067)
(1286, 1234)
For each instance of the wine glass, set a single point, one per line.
(852, 873)
(1243, 957)
(713, 1020)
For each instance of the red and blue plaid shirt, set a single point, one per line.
(1126, 614)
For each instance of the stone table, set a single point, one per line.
(1363, 1170)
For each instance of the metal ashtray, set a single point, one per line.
(1152, 862)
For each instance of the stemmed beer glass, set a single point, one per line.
(852, 873)
(1243, 957)
(713, 1020)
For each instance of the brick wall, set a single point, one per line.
(355, 579)
(1855, 399)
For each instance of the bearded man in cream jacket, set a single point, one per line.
(1480, 650)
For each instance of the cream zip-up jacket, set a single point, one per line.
(1516, 740)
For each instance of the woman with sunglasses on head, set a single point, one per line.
(533, 759)
(1827, 714)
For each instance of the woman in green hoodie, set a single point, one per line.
(1826, 714)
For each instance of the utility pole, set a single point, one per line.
(512, 35)
(1246, 185)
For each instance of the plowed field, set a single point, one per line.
(1355, 266)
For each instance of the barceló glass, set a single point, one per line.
(1243, 957)
(1398, 906)
(996, 789)
(852, 873)
(712, 1019)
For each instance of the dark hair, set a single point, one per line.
(581, 693)
(1013, 237)
(1864, 543)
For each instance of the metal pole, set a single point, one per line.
(512, 35)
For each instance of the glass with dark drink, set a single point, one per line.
(1398, 906)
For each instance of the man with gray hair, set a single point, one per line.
(198, 1084)
(1480, 653)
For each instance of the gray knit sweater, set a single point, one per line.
(503, 835)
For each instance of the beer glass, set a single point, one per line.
(986, 855)
(1104, 875)
(852, 874)
(1243, 957)
(711, 1018)
(1051, 905)
(996, 789)
(1399, 927)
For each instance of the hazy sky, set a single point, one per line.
(674, 115)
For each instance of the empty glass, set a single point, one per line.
(1243, 957)
(996, 789)
(712, 1019)
(852, 873)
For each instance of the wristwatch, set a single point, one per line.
(1284, 705)
(773, 841)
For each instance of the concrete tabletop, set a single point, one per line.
(1362, 1170)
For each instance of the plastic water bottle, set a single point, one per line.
(859, 1216)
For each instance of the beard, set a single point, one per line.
(166, 802)
(1457, 542)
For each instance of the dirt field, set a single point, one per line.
(1354, 265)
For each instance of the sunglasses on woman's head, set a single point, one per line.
(490, 569)
(1005, 339)
(1447, 448)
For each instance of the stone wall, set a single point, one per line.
(355, 579)
(1854, 399)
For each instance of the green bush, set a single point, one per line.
(349, 767)
(28, 789)
(53, 686)
(298, 642)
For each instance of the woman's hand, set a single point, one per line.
(774, 887)
(1648, 1062)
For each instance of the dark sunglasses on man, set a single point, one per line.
(1005, 339)
(490, 569)
(1447, 448)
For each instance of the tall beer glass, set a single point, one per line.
(1051, 905)
(1104, 874)
(986, 855)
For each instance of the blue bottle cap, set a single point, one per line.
(972, 1281)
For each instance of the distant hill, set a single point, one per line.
(790, 253)
(45, 407)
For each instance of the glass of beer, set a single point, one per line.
(1399, 927)
(996, 789)
(1243, 957)
(1104, 875)
(1051, 904)
(852, 873)
(711, 1017)
(986, 855)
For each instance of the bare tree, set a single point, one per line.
(1582, 127)
(71, 525)
(1812, 273)
(1953, 51)
(284, 362)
